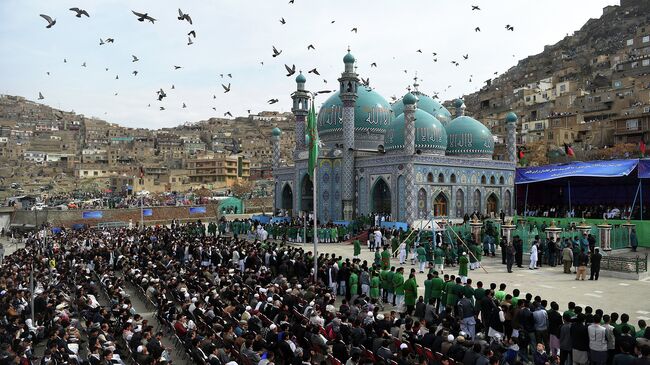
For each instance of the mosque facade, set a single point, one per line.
(411, 159)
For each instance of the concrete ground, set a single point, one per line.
(609, 294)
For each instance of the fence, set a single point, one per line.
(625, 264)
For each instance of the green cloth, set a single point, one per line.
(377, 258)
(437, 286)
(428, 288)
(374, 287)
(398, 283)
(383, 279)
(390, 286)
(479, 293)
(354, 283)
(357, 248)
(394, 243)
(462, 266)
(500, 295)
(438, 255)
(468, 292)
(514, 301)
(422, 254)
(385, 259)
(410, 291)
(313, 141)
(452, 293)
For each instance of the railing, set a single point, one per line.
(112, 224)
(625, 264)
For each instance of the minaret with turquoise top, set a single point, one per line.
(275, 143)
(300, 109)
(410, 105)
(348, 93)
(511, 140)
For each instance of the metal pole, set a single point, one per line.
(304, 227)
(634, 202)
(315, 226)
(569, 183)
(641, 197)
(526, 201)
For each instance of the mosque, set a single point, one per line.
(411, 160)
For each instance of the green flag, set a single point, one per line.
(312, 140)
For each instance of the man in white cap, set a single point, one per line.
(463, 262)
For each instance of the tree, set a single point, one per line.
(242, 189)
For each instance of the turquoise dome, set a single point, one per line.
(430, 135)
(276, 132)
(348, 58)
(511, 118)
(458, 103)
(426, 103)
(371, 112)
(468, 137)
(409, 99)
(301, 78)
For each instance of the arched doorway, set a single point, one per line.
(476, 201)
(381, 197)
(422, 204)
(492, 205)
(287, 199)
(306, 194)
(460, 203)
(440, 206)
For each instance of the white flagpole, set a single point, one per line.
(315, 197)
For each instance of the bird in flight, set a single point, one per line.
(477, 29)
(227, 114)
(214, 96)
(184, 106)
(455, 63)
(173, 87)
(276, 52)
(161, 94)
(419, 51)
(177, 67)
(182, 16)
(83, 64)
(311, 46)
(466, 56)
(230, 75)
(117, 77)
(50, 21)
(48, 73)
(40, 96)
(162, 108)
(324, 92)
(374, 64)
(189, 41)
(110, 40)
(313, 71)
(291, 1)
(283, 21)
(225, 88)
(290, 70)
(135, 59)
(354, 30)
(65, 60)
(215, 109)
(192, 33)
(135, 73)
(101, 42)
(106, 68)
(80, 12)
(475, 7)
(142, 17)
(510, 27)
(273, 101)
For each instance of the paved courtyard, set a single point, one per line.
(609, 294)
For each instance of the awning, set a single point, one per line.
(612, 168)
(644, 169)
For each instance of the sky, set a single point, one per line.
(234, 36)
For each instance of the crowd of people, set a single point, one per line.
(229, 299)
(584, 211)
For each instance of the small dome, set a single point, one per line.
(372, 112)
(458, 103)
(348, 58)
(511, 118)
(409, 99)
(430, 135)
(276, 132)
(469, 137)
(426, 103)
(301, 78)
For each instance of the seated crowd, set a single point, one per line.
(226, 301)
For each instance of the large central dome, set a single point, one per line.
(371, 113)
(430, 135)
(428, 104)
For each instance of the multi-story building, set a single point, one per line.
(222, 170)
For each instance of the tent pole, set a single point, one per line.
(569, 183)
(634, 201)
(641, 197)
(526, 202)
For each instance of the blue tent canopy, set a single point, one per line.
(612, 168)
(644, 169)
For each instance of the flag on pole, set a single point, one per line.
(312, 140)
(569, 150)
(642, 148)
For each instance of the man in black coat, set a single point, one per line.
(596, 257)
(519, 250)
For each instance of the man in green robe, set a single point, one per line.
(468, 291)
(428, 287)
(383, 281)
(410, 293)
(385, 258)
(455, 288)
(463, 262)
(374, 285)
(437, 286)
(422, 257)
(445, 288)
(479, 292)
(390, 285)
(398, 287)
(377, 259)
(439, 259)
(353, 282)
(334, 235)
(357, 249)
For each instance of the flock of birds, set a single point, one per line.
(161, 94)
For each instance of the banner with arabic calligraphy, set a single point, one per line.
(613, 168)
(644, 169)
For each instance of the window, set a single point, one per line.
(645, 62)
(483, 180)
(645, 39)
(632, 124)
(441, 178)
(452, 178)
(630, 42)
(430, 177)
(539, 126)
(95, 173)
(634, 64)
(493, 180)
(85, 173)
(501, 180)
(617, 84)
(562, 88)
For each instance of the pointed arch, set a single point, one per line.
(422, 204)
(381, 197)
(483, 180)
(501, 180)
(306, 194)
(460, 203)
(476, 201)
(507, 202)
(492, 205)
(286, 202)
(441, 178)
(440, 205)
(452, 178)
(430, 177)
(493, 180)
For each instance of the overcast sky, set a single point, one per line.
(234, 36)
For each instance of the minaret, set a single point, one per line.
(300, 110)
(511, 139)
(275, 143)
(410, 105)
(460, 107)
(348, 94)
